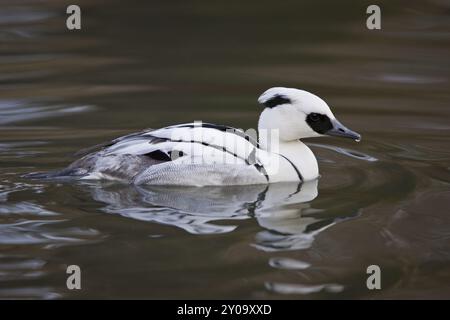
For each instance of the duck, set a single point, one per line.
(206, 154)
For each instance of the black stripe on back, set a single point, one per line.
(222, 128)
(223, 149)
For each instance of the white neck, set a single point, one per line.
(295, 151)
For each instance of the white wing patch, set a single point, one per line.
(228, 141)
(209, 144)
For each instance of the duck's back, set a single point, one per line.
(186, 154)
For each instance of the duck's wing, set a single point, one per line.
(220, 144)
(192, 153)
(106, 144)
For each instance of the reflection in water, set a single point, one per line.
(289, 288)
(282, 209)
(347, 152)
(41, 226)
(288, 264)
(40, 232)
(24, 207)
(195, 209)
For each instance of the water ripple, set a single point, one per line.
(18, 268)
(12, 111)
(29, 293)
(25, 207)
(347, 152)
(38, 232)
(288, 264)
(290, 288)
(270, 241)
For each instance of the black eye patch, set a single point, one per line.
(320, 123)
(276, 101)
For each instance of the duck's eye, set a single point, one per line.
(314, 117)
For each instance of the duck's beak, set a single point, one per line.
(339, 130)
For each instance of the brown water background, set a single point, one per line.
(139, 64)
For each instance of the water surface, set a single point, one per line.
(146, 64)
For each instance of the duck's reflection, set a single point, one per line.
(283, 209)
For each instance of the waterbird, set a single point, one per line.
(203, 154)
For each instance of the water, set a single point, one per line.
(382, 201)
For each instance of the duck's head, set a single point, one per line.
(299, 114)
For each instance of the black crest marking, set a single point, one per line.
(320, 123)
(276, 100)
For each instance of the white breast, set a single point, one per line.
(302, 158)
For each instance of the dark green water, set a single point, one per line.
(134, 65)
